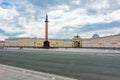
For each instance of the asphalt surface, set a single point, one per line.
(81, 64)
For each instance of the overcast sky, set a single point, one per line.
(67, 18)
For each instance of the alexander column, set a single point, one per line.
(46, 43)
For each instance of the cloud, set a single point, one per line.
(75, 2)
(102, 33)
(47, 3)
(8, 14)
(3, 37)
(98, 5)
(25, 18)
(99, 26)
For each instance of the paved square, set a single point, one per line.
(77, 63)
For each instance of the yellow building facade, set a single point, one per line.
(31, 42)
(75, 42)
(103, 42)
(2, 44)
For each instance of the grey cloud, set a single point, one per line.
(65, 32)
(48, 3)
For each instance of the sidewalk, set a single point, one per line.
(13, 73)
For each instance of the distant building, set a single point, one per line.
(31, 42)
(75, 42)
(2, 44)
(24, 42)
(103, 42)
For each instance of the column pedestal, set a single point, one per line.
(46, 44)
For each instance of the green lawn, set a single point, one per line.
(84, 67)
